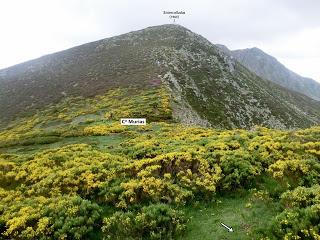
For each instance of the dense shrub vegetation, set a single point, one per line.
(300, 218)
(151, 222)
(73, 172)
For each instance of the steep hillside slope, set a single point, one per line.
(271, 69)
(207, 87)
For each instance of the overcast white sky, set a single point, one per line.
(286, 29)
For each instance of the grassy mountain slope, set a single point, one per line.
(73, 172)
(207, 87)
(86, 70)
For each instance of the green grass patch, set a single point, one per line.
(249, 219)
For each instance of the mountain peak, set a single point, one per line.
(256, 49)
(223, 48)
(163, 28)
(253, 50)
(170, 26)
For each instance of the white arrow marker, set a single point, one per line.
(229, 228)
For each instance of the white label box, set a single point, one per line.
(133, 121)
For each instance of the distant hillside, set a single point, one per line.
(271, 69)
(206, 85)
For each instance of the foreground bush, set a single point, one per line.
(298, 223)
(73, 169)
(301, 216)
(239, 170)
(152, 222)
(42, 218)
(172, 178)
